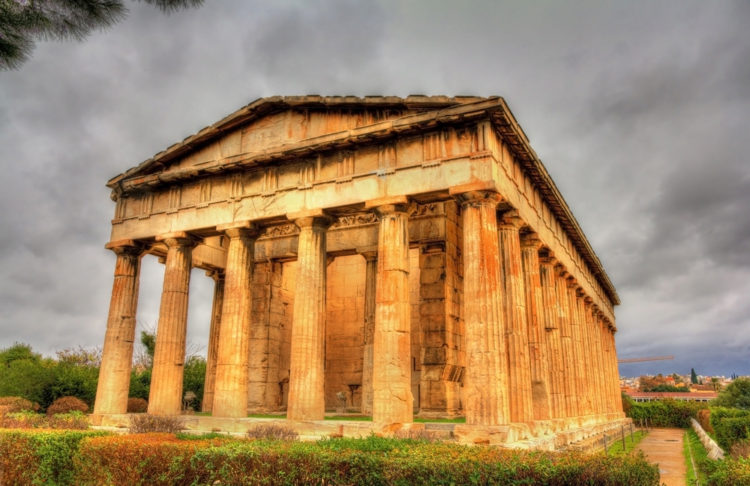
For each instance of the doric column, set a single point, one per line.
(586, 353)
(165, 397)
(596, 351)
(232, 365)
(551, 326)
(609, 373)
(579, 395)
(371, 269)
(307, 362)
(391, 381)
(213, 341)
(538, 357)
(616, 395)
(486, 381)
(604, 370)
(567, 341)
(516, 338)
(117, 355)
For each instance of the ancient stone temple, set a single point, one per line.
(399, 257)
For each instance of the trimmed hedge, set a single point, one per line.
(665, 413)
(91, 458)
(39, 457)
(731, 425)
(163, 459)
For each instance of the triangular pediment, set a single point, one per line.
(275, 122)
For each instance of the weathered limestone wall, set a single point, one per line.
(345, 311)
(269, 316)
(416, 325)
(286, 297)
(440, 358)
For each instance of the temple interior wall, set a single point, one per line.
(437, 357)
(345, 317)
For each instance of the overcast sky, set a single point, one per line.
(639, 110)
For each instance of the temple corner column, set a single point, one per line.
(485, 381)
(117, 354)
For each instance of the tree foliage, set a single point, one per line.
(735, 395)
(24, 22)
(26, 374)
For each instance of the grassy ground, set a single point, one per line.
(695, 457)
(358, 418)
(616, 448)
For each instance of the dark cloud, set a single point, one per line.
(639, 111)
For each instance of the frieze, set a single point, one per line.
(279, 231)
(429, 209)
(357, 219)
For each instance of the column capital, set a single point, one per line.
(477, 198)
(177, 239)
(547, 259)
(311, 218)
(215, 275)
(580, 292)
(531, 240)
(571, 282)
(239, 229)
(511, 219)
(560, 269)
(125, 247)
(369, 255)
(388, 205)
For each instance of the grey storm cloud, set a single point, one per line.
(639, 110)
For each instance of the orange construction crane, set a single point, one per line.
(639, 360)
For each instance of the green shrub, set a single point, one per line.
(46, 457)
(67, 404)
(665, 413)
(731, 425)
(730, 472)
(735, 395)
(163, 459)
(741, 449)
(23, 420)
(91, 458)
(71, 420)
(137, 405)
(32, 420)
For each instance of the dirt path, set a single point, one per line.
(664, 447)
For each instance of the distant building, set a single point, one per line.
(685, 396)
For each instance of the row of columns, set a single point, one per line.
(536, 347)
